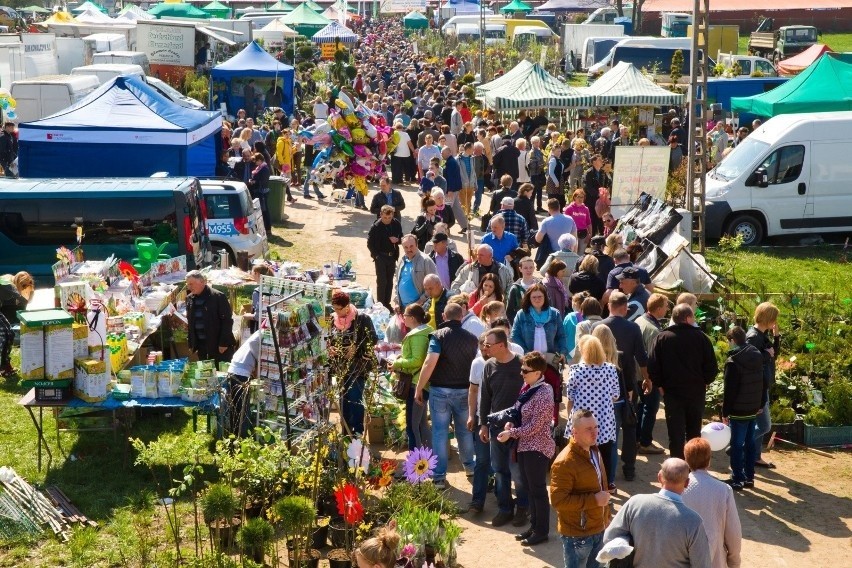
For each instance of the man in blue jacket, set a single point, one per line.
(452, 173)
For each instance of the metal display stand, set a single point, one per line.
(291, 367)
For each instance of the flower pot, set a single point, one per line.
(339, 558)
(320, 536)
(337, 533)
(253, 509)
(827, 435)
(310, 559)
(226, 531)
(791, 431)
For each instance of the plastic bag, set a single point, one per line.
(396, 329)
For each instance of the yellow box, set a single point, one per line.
(32, 352)
(58, 351)
(80, 332)
(91, 380)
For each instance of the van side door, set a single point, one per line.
(831, 172)
(783, 201)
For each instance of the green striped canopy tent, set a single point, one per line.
(519, 70)
(624, 85)
(533, 89)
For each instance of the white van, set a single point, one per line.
(43, 96)
(106, 71)
(790, 176)
(533, 34)
(234, 219)
(125, 57)
(645, 41)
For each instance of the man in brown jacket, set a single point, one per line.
(578, 492)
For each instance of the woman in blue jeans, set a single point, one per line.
(765, 321)
(415, 345)
(351, 358)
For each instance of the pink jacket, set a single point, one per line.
(580, 214)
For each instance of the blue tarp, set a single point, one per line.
(125, 128)
(252, 63)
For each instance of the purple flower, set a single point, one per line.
(409, 550)
(419, 465)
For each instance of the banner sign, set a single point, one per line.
(638, 169)
(403, 6)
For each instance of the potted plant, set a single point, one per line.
(320, 534)
(253, 538)
(218, 506)
(350, 507)
(296, 516)
(831, 423)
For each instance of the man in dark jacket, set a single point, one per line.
(387, 196)
(210, 320)
(505, 161)
(383, 243)
(8, 148)
(681, 365)
(631, 348)
(593, 180)
(745, 395)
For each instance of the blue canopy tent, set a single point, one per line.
(252, 63)
(124, 128)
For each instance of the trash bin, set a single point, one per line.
(276, 199)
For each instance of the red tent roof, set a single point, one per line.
(798, 63)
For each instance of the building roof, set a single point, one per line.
(739, 6)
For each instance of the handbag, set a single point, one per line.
(402, 386)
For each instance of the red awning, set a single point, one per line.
(798, 63)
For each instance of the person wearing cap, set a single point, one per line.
(605, 262)
(8, 148)
(629, 282)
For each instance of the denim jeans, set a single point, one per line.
(477, 196)
(352, 404)
(449, 404)
(481, 469)
(742, 450)
(762, 426)
(646, 416)
(505, 472)
(416, 426)
(306, 189)
(580, 551)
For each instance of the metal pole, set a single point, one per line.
(280, 364)
(696, 178)
(481, 39)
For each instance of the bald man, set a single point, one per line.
(665, 532)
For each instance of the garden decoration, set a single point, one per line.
(420, 465)
(349, 506)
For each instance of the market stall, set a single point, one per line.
(624, 85)
(415, 21)
(275, 33)
(532, 88)
(335, 33)
(125, 128)
(305, 20)
(253, 63)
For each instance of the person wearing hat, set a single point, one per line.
(447, 261)
(605, 262)
(629, 282)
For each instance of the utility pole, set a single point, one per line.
(696, 178)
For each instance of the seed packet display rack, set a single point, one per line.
(294, 383)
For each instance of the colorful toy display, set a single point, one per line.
(353, 144)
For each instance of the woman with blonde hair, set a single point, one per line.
(378, 551)
(593, 384)
(764, 336)
(613, 243)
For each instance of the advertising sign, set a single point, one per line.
(403, 6)
(40, 55)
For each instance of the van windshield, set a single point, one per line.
(741, 159)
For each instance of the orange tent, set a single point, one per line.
(798, 63)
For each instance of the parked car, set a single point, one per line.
(234, 220)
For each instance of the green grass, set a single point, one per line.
(785, 270)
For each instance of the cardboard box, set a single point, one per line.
(65, 290)
(375, 430)
(32, 352)
(80, 332)
(91, 380)
(47, 344)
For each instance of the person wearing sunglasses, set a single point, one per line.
(535, 445)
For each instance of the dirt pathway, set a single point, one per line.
(798, 515)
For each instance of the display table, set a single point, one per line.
(209, 407)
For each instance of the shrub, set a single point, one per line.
(838, 401)
(818, 416)
(781, 412)
(218, 503)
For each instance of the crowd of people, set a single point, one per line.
(549, 310)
